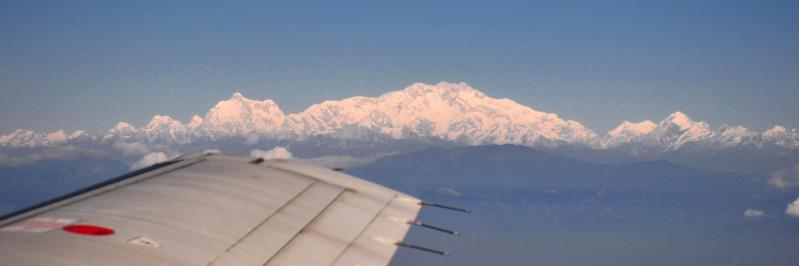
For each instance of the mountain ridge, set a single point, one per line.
(454, 112)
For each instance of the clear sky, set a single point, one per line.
(87, 65)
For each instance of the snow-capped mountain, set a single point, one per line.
(447, 111)
(21, 137)
(453, 112)
(239, 116)
(671, 133)
(727, 137)
(678, 131)
(628, 132)
(121, 130)
(28, 138)
(782, 136)
(165, 128)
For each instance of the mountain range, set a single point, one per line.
(448, 111)
(423, 114)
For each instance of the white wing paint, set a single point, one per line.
(217, 210)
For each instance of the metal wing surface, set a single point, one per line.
(214, 210)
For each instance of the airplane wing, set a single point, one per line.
(214, 210)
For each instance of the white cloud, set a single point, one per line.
(751, 213)
(785, 178)
(793, 208)
(275, 153)
(131, 148)
(149, 159)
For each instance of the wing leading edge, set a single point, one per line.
(216, 210)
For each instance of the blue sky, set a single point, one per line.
(87, 65)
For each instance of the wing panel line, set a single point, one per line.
(363, 230)
(306, 225)
(262, 222)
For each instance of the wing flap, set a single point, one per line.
(374, 245)
(271, 236)
(329, 235)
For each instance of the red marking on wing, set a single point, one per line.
(88, 229)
